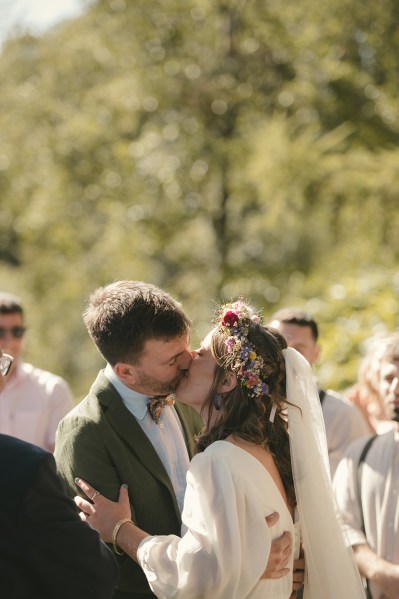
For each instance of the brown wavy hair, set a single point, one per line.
(123, 315)
(245, 416)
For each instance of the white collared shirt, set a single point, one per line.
(380, 493)
(32, 404)
(166, 436)
(344, 423)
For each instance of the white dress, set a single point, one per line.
(226, 542)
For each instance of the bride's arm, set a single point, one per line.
(226, 537)
(103, 515)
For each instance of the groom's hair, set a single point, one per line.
(123, 315)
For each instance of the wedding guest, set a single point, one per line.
(364, 394)
(343, 421)
(366, 485)
(33, 400)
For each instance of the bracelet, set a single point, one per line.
(118, 525)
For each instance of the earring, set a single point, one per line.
(272, 413)
(217, 401)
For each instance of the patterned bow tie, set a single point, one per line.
(156, 404)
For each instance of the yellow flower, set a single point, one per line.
(252, 355)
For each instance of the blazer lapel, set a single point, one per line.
(188, 432)
(127, 427)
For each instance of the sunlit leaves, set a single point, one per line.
(215, 149)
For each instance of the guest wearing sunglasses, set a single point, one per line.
(33, 400)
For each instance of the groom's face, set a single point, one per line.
(161, 365)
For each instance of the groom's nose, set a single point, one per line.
(185, 360)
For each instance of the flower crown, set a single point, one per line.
(234, 320)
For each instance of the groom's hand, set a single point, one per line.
(298, 574)
(280, 552)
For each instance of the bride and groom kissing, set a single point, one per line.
(247, 415)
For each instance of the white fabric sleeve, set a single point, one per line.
(346, 493)
(344, 424)
(226, 547)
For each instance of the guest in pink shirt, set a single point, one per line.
(33, 400)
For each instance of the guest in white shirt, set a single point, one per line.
(33, 400)
(369, 501)
(343, 421)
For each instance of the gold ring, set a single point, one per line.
(95, 495)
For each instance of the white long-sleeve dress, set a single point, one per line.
(225, 540)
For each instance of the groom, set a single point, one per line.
(111, 438)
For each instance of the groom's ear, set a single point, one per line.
(126, 373)
(228, 382)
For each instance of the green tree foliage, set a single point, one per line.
(215, 149)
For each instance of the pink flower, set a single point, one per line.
(252, 379)
(230, 344)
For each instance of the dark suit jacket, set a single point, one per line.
(101, 442)
(46, 551)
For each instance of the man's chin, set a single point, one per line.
(167, 388)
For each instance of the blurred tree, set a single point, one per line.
(231, 147)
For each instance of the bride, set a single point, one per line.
(263, 449)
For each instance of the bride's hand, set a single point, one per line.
(102, 513)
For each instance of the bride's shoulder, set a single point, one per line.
(216, 451)
(214, 461)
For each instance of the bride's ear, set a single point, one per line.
(228, 382)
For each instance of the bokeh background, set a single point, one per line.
(213, 147)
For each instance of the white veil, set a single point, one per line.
(331, 570)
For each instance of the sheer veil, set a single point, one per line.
(331, 570)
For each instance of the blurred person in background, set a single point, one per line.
(33, 400)
(46, 551)
(366, 485)
(343, 421)
(364, 394)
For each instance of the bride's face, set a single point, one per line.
(194, 387)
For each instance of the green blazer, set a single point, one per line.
(101, 442)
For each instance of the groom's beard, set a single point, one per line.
(151, 386)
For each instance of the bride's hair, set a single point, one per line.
(247, 416)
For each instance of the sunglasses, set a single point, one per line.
(16, 332)
(5, 364)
